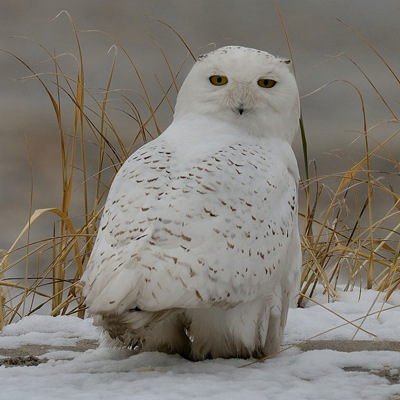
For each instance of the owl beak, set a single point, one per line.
(241, 108)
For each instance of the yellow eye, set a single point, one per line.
(218, 80)
(266, 83)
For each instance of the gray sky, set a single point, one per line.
(332, 116)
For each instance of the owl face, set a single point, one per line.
(249, 88)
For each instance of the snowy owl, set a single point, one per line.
(198, 249)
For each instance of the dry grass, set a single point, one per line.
(367, 251)
(69, 247)
(46, 272)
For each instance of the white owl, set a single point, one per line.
(198, 249)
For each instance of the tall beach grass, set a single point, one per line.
(44, 273)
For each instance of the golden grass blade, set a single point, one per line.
(372, 48)
(32, 219)
(177, 34)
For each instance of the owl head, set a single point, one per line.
(249, 88)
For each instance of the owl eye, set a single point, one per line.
(218, 80)
(266, 83)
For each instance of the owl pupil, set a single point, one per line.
(219, 79)
(265, 82)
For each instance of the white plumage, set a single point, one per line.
(198, 249)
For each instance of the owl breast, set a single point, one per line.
(208, 225)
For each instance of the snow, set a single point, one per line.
(46, 330)
(117, 374)
(304, 323)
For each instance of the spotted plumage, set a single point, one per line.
(198, 250)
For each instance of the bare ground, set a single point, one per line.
(28, 355)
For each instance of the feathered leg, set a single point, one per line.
(168, 336)
(242, 331)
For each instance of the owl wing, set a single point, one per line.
(172, 236)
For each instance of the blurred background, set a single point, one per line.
(29, 139)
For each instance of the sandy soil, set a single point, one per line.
(28, 354)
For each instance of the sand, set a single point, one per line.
(28, 354)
